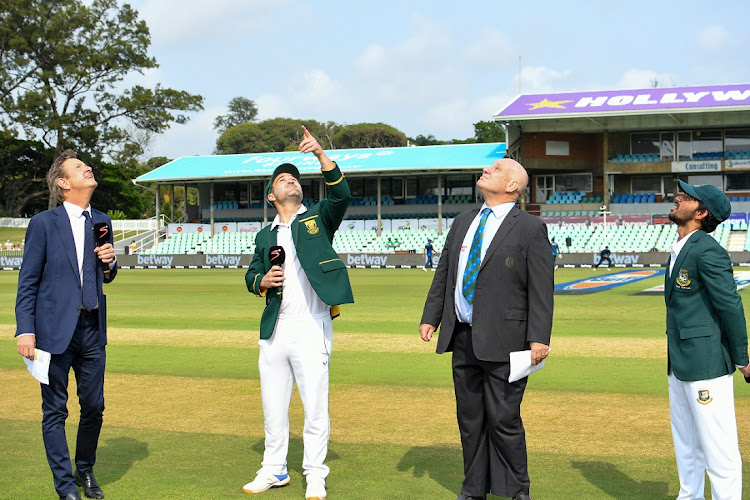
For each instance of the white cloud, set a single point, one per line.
(537, 79)
(713, 38)
(191, 22)
(490, 48)
(645, 78)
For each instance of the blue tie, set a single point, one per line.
(88, 269)
(474, 259)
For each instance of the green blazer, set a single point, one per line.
(312, 234)
(706, 330)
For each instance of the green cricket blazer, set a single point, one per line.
(312, 234)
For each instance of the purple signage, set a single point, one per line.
(613, 101)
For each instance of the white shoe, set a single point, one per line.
(316, 490)
(424, 269)
(264, 482)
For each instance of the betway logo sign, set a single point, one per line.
(366, 260)
(620, 259)
(154, 260)
(11, 261)
(222, 260)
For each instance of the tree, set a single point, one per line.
(62, 65)
(430, 140)
(277, 134)
(368, 135)
(23, 168)
(488, 131)
(240, 110)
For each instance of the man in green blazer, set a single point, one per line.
(303, 281)
(707, 340)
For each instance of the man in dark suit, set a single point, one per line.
(296, 334)
(492, 295)
(60, 308)
(706, 342)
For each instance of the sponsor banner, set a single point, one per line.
(352, 225)
(225, 227)
(249, 227)
(574, 219)
(736, 217)
(365, 259)
(635, 220)
(696, 166)
(622, 259)
(222, 260)
(660, 219)
(606, 281)
(372, 225)
(741, 278)
(173, 229)
(617, 101)
(404, 224)
(11, 261)
(154, 260)
(432, 224)
(612, 220)
(737, 164)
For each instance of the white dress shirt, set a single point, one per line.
(464, 310)
(299, 297)
(675, 250)
(78, 225)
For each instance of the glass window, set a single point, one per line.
(667, 146)
(645, 184)
(738, 182)
(684, 146)
(371, 187)
(707, 141)
(645, 143)
(737, 140)
(411, 187)
(460, 184)
(357, 187)
(428, 186)
(574, 182)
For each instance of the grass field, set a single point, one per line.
(183, 417)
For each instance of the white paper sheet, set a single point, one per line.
(39, 368)
(520, 365)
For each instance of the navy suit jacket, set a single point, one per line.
(48, 302)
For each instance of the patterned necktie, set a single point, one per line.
(88, 269)
(474, 259)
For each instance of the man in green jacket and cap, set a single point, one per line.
(303, 281)
(707, 340)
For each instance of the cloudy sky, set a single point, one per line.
(426, 67)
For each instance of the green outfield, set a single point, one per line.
(183, 417)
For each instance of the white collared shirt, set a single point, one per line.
(464, 310)
(675, 250)
(78, 225)
(299, 297)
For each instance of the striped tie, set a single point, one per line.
(474, 259)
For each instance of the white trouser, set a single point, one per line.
(704, 430)
(299, 350)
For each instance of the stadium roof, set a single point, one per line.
(388, 161)
(642, 108)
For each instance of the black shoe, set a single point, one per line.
(72, 496)
(465, 497)
(90, 487)
(522, 496)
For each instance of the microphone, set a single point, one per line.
(101, 236)
(277, 256)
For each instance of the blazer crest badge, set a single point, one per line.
(312, 226)
(683, 280)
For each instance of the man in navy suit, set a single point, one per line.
(60, 308)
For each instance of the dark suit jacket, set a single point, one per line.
(706, 329)
(312, 233)
(514, 290)
(48, 302)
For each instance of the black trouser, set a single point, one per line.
(602, 259)
(489, 420)
(87, 358)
